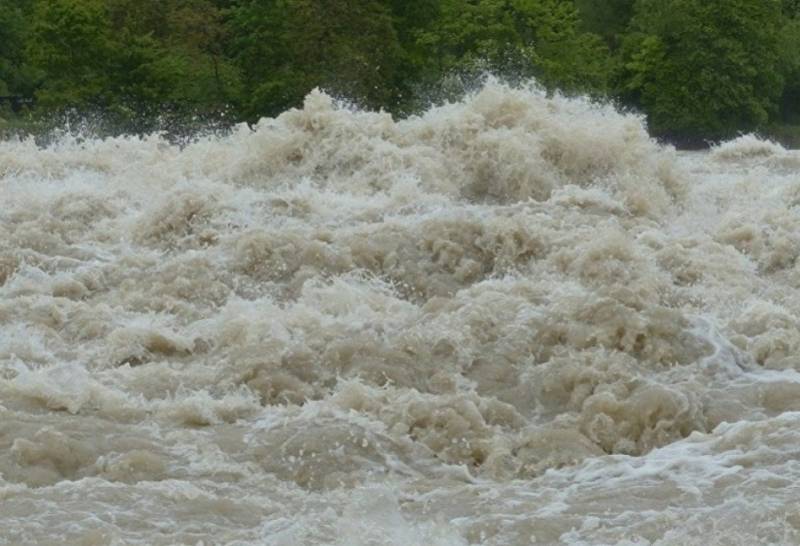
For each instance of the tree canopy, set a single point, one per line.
(707, 67)
(699, 69)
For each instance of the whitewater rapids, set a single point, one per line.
(513, 320)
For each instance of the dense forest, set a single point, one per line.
(699, 69)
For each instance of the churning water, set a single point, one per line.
(512, 320)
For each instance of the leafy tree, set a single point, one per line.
(261, 50)
(791, 8)
(285, 48)
(410, 19)
(518, 38)
(790, 48)
(131, 59)
(16, 76)
(71, 44)
(469, 33)
(175, 50)
(351, 47)
(200, 35)
(563, 55)
(606, 18)
(705, 68)
(700, 69)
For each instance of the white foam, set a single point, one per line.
(513, 319)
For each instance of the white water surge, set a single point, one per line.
(513, 320)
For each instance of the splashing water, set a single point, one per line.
(512, 320)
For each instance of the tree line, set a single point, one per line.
(699, 69)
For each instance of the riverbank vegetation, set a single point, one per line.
(701, 70)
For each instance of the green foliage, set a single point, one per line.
(705, 68)
(563, 56)
(97, 53)
(606, 18)
(71, 45)
(790, 63)
(699, 69)
(522, 38)
(791, 8)
(16, 76)
(285, 48)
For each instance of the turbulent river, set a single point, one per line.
(512, 320)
